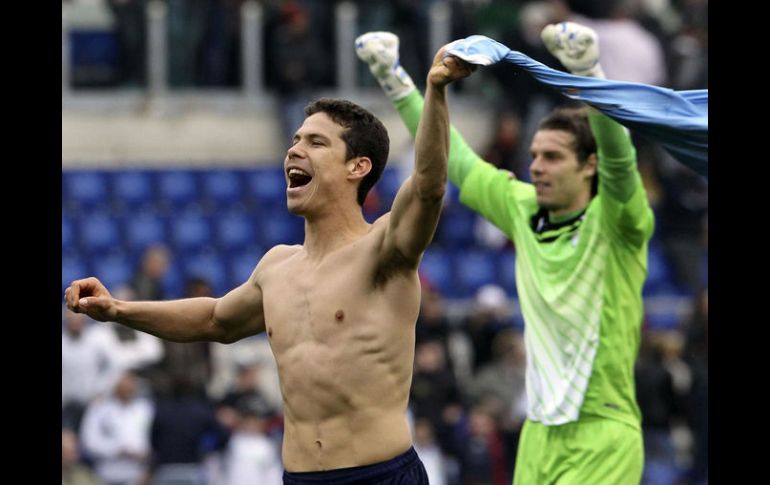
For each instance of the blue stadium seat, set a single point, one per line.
(95, 56)
(474, 269)
(144, 229)
(437, 267)
(235, 230)
(280, 227)
(241, 264)
(133, 189)
(667, 309)
(518, 321)
(174, 281)
(178, 188)
(114, 269)
(456, 227)
(190, 231)
(506, 265)
(99, 232)
(209, 266)
(68, 234)
(388, 185)
(73, 267)
(85, 190)
(223, 188)
(267, 187)
(663, 320)
(659, 277)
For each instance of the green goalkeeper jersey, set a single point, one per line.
(579, 280)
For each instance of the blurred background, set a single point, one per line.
(176, 115)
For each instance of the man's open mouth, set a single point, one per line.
(298, 177)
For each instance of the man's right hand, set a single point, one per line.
(447, 68)
(90, 296)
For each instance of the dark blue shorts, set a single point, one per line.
(405, 469)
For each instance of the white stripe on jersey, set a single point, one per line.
(561, 334)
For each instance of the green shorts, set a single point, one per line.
(591, 451)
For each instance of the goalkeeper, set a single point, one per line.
(581, 231)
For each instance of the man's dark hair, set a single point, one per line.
(574, 120)
(364, 136)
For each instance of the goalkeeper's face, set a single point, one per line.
(562, 183)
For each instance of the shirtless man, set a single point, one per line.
(340, 309)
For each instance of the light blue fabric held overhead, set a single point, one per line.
(678, 120)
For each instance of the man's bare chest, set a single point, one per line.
(306, 302)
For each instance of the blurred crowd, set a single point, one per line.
(137, 409)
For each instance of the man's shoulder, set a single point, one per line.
(278, 253)
(483, 173)
(283, 250)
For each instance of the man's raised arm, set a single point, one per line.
(417, 205)
(577, 48)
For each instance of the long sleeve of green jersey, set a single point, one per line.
(626, 209)
(618, 176)
(461, 156)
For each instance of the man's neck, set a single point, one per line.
(578, 205)
(328, 232)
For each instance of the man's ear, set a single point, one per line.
(358, 167)
(590, 166)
